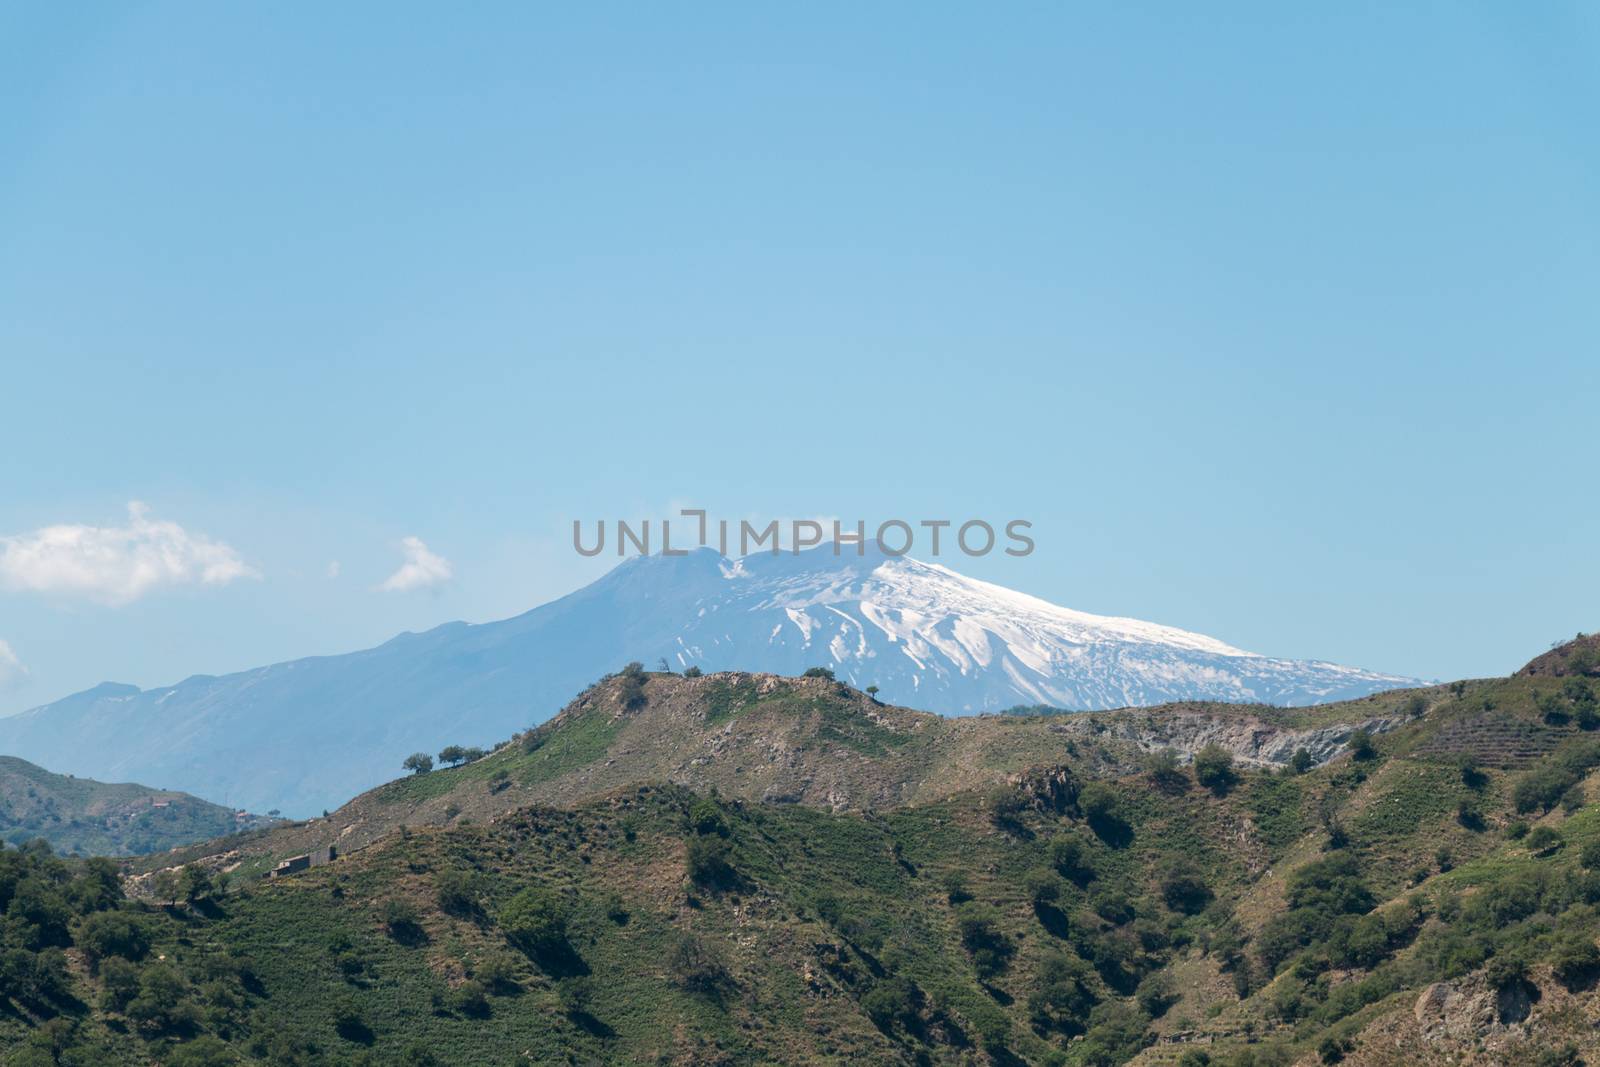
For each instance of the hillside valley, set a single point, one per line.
(82, 816)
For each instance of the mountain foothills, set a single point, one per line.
(743, 868)
(79, 815)
(305, 735)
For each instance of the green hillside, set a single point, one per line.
(739, 869)
(85, 817)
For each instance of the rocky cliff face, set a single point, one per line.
(1251, 740)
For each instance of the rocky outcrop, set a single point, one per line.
(1251, 740)
(1468, 1010)
(1052, 789)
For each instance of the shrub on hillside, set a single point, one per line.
(1117, 1031)
(1543, 787)
(705, 817)
(1183, 888)
(991, 950)
(1114, 907)
(457, 893)
(535, 920)
(630, 688)
(1575, 961)
(1156, 994)
(697, 968)
(1069, 854)
(892, 1000)
(709, 863)
(1164, 772)
(1102, 810)
(1042, 885)
(1507, 970)
(1064, 994)
(401, 920)
(1543, 839)
(955, 887)
(1006, 806)
(1362, 747)
(1213, 768)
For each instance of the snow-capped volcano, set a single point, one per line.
(308, 734)
(931, 638)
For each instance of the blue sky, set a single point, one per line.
(1279, 325)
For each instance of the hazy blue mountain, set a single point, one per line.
(308, 734)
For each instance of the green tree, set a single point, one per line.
(1064, 994)
(194, 883)
(120, 980)
(113, 933)
(418, 763)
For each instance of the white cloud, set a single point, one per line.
(421, 569)
(334, 569)
(12, 672)
(116, 564)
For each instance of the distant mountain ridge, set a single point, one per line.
(307, 734)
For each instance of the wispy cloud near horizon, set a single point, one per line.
(116, 565)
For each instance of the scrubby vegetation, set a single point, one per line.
(1094, 910)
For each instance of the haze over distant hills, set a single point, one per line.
(307, 734)
(80, 815)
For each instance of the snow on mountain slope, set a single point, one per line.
(932, 638)
(306, 735)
